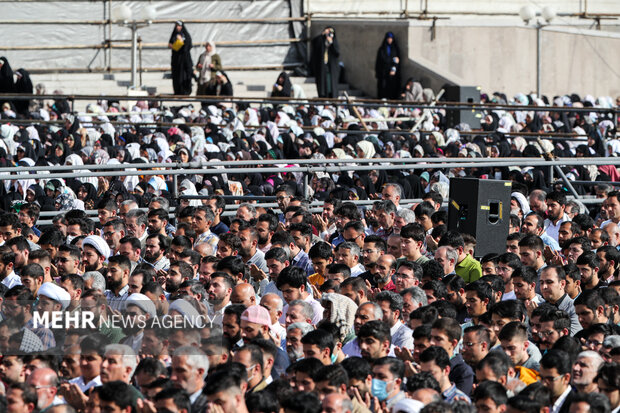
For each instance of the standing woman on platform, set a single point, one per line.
(23, 85)
(324, 63)
(7, 83)
(387, 68)
(182, 67)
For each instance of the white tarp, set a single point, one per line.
(83, 34)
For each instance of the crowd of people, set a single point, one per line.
(163, 303)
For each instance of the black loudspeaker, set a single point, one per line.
(462, 94)
(481, 208)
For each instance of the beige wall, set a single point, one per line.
(494, 58)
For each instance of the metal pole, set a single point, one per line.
(305, 185)
(538, 59)
(134, 53)
(174, 185)
(566, 181)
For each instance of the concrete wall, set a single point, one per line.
(496, 58)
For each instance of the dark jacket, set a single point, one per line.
(461, 374)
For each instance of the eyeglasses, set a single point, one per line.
(547, 333)
(368, 251)
(469, 344)
(594, 343)
(282, 198)
(549, 379)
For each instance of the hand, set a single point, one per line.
(548, 253)
(211, 66)
(316, 292)
(530, 306)
(145, 406)
(199, 66)
(364, 401)
(282, 227)
(319, 223)
(403, 353)
(257, 273)
(380, 407)
(74, 396)
(396, 59)
(214, 408)
(431, 244)
(411, 368)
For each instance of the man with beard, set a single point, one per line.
(219, 295)
(7, 264)
(392, 305)
(455, 286)
(589, 265)
(568, 230)
(17, 307)
(556, 203)
(117, 282)
(95, 251)
(203, 218)
(585, 370)
(374, 340)
(45, 382)
(231, 324)
(113, 231)
(346, 213)
(155, 253)
(374, 247)
(552, 286)
(189, 370)
(365, 313)
(21, 248)
(576, 247)
(248, 251)
(255, 322)
(266, 226)
(553, 325)
(294, 346)
(95, 302)
(534, 224)
(383, 272)
(179, 272)
(609, 257)
(68, 260)
(138, 310)
(157, 221)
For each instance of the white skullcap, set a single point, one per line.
(142, 302)
(56, 293)
(185, 308)
(97, 243)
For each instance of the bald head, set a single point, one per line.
(274, 304)
(205, 249)
(337, 403)
(243, 294)
(45, 380)
(614, 233)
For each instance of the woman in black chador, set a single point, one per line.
(23, 85)
(181, 45)
(387, 68)
(324, 62)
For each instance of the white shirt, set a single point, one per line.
(12, 280)
(86, 386)
(357, 270)
(194, 396)
(560, 401)
(553, 229)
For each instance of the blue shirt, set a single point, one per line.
(302, 261)
(452, 393)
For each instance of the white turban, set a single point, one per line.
(56, 293)
(97, 243)
(142, 302)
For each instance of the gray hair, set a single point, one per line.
(306, 308)
(129, 356)
(397, 188)
(346, 405)
(163, 202)
(98, 280)
(378, 312)
(451, 253)
(352, 246)
(251, 208)
(407, 214)
(130, 203)
(417, 295)
(195, 358)
(304, 327)
(596, 358)
(140, 215)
